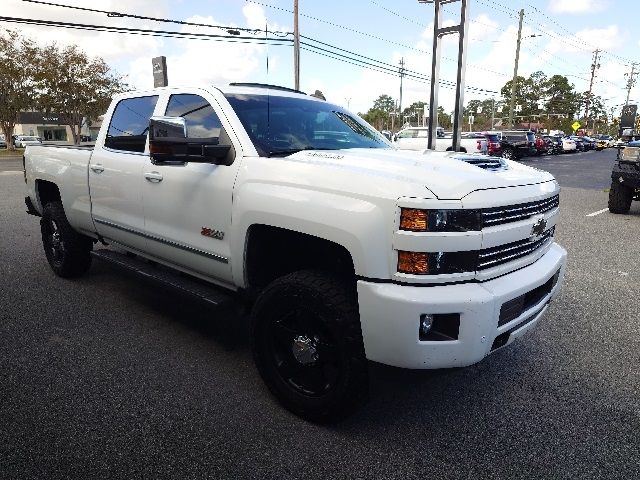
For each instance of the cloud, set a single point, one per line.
(577, 6)
(106, 45)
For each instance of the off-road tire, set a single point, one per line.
(620, 197)
(509, 154)
(68, 252)
(330, 303)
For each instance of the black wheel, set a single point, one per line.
(620, 197)
(307, 345)
(509, 154)
(68, 252)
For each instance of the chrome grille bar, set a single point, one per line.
(514, 213)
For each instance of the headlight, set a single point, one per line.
(416, 220)
(630, 154)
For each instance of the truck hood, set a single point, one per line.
(447, 175)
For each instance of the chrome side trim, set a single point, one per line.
(186, 248)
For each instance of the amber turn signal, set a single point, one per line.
(415, 263)
(413, 219)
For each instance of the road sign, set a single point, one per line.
(575, 125)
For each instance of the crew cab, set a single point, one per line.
(416, 138)
(343, 248)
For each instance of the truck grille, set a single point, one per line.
(514, 213)
(491, 257)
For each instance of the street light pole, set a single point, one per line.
(515, 71)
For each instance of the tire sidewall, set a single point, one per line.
(281, 297)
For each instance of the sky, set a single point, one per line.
(558, 37)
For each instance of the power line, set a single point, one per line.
(571, 40)
(363, 61)
(397, 14)
(375, 37)
(141, 17)
(148, 32)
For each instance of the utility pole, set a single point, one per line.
(401, 76)
(493, 112)
(632, 81)
(296, 46)
(515, 71)
(594, 66)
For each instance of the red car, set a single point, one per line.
(493, 144)
(541, 145)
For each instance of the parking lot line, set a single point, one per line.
(597, 213)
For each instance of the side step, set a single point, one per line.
(212, 295)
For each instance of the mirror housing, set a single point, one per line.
(169, 143)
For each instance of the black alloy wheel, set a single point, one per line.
(508, 153)
(307, 345)
(68, 252)
(305, 353)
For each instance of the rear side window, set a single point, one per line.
(130, 124)
(492, 137)
(202, 121)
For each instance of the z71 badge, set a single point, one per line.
(210, 232)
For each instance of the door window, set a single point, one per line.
(130, 124)
(201, 120)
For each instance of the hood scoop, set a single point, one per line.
(494, 164)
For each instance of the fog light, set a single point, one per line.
(426, 322)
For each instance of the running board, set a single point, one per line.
(212, 295)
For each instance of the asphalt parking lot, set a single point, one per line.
(107, 377)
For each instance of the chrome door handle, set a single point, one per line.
(154, 177)
(97, 168)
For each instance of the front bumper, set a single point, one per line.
(390, 315)
(627, 173)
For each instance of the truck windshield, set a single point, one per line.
(280, 126)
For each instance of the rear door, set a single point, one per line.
(115, 173)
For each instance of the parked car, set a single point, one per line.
(601, 144)
(542, 147)
(606, 140)
(416, 138)
(568, 145)
(554, 144)
(22, 141)
(494, 148)
(589, 143)
(579, 143)
(516, 144)
(3, 143)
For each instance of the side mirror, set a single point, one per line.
(169, 143)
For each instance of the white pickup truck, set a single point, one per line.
(417, 138)
(344, 248)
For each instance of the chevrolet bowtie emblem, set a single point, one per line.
(538, 228)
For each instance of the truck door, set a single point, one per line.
(187, 206)
(115, 173)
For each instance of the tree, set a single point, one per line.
(415, 110)
(444, 119)
(560, 96)
(376, 118)
(385, 103)
(74, 86)
(18, 57)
